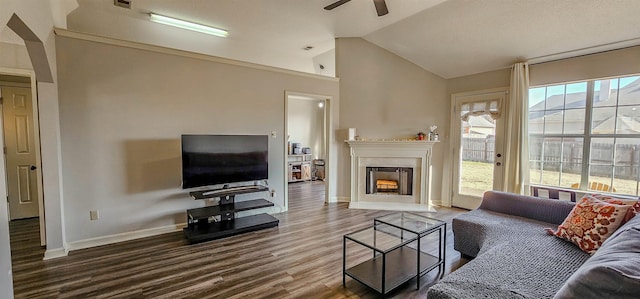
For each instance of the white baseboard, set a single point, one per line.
(437, 203)
(340, 199)
(412, 207)
(55, 253)
(110, 239)
(128, 236)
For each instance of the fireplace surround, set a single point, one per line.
(382, 171)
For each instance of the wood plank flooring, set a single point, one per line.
(302, 258)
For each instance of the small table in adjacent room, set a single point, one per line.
(398, 255)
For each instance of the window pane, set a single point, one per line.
(478, 147)
(627, 162)
(571, 161)
(576, 96)
(629, 92)
(535, 173)
(603, 120)
(536, 122)
(551, 173)
(535, 148)
(627, 152)
(555, 97)
(570, 178)
(601, 162)
(574, 121)
(605, 93)
(600, 175)
(536, 98)
(628, 120)
(625, 180)
(552, 149)
(553, 122)
(601, 151)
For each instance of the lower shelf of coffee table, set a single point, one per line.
(400, 268)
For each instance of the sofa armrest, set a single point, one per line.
(546, 210)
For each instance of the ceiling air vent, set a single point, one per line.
(122, 3)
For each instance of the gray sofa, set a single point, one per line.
(513, 257)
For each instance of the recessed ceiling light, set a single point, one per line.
(188, 25)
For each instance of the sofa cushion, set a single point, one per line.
(512, 263)
(591, 222)
(613, 271)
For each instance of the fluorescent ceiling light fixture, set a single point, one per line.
(188, 25)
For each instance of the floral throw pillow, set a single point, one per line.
(591, 222)
(634, 203)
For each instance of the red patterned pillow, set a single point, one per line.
(634, 203)
(591, 222)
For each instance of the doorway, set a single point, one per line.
(22, 149)
(477, 130)
(307, 118)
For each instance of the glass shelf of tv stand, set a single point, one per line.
(223, 192)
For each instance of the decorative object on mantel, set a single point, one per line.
(420, 136)
(352, 133)
(433, 135)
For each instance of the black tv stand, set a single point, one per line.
(219, 221)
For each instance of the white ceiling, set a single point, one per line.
(450, 38)
(461, 37)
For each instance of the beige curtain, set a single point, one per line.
(516, 162)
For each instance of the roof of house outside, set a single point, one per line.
(555, 112)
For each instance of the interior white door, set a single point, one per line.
(20, 152)
(477, 141)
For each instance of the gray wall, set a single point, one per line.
(385, 96)
(122, 113)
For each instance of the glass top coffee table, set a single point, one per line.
(398, 255)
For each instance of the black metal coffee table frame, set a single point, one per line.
(391, 239)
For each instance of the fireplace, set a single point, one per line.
(389, 180)
(391, 174)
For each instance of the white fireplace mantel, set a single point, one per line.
(373, 153)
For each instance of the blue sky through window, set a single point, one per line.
(539, 94)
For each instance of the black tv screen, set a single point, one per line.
(219, 159)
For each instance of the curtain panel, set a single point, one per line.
(516, 171)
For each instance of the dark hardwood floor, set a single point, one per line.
(301, 258)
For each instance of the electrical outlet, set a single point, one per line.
(94, 215)
(273, 193)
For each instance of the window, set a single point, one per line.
(586, 135)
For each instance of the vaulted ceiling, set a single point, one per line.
(450, 38)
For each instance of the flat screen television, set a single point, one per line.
(220, 159)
